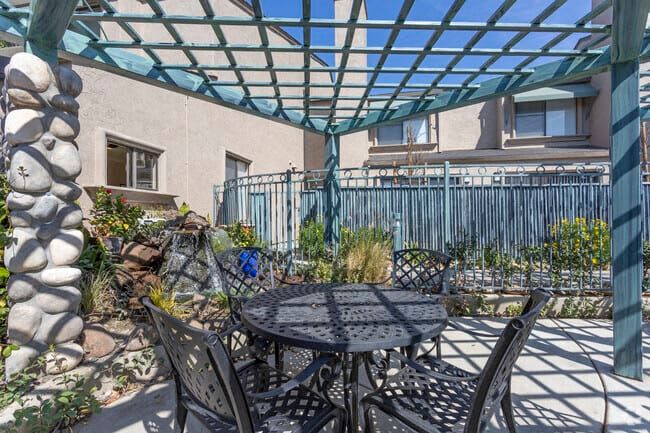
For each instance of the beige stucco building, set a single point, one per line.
(161, 148)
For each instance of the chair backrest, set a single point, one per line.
(420, 270)
(212, 386)
(495, 378)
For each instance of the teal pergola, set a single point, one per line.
(315, 96)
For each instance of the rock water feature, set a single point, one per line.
(42, 161)
(189, 263)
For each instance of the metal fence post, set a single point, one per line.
(289, 222)
(446, 208)
(332, 193)
(397, 232)
(215, 204)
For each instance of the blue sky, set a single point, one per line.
(522, 11)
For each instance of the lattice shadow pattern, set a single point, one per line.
(424, 271)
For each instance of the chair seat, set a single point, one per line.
(300, 410)
(424, 403)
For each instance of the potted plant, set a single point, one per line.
(113, 219)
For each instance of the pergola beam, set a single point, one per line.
(47, 24)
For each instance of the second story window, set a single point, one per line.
(130, 167)
(236, 167)
(545, 118)
(398, 133)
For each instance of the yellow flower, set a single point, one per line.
(126, 226)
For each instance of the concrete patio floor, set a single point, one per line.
(563, 382)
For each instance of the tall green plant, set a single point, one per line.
(311, 239)
(242, 235)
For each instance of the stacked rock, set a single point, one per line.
(42, 162)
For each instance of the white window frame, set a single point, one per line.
(237, 159)
(545, 119)
(427, 121)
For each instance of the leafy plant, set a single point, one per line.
(124, 369)
(184, 209)
(242, 235)
(319, 270)
(578, 245)
(113, 216)
(482, 306)
(164, 299)
(500, 264)
(514, 309)
(60, 411)
(151, 230)
(311, 239)
(21, 382)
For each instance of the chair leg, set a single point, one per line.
(279, 357)
(369, 425)
(439, 347)
(181, 416)
(506, 407)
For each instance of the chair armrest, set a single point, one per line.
(301, 377)
(228, 332)
(474, 333)
(432, 374)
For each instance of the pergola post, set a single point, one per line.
(332, 189)
(628, 27)
(38, 99)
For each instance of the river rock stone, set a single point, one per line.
(20, 218)
(97, 342)
(69, 216)
(45, 208)
(141, 337)
(23, 126)
(21, 287)
(47, 231)
(20, 201)
(69, 81)
(28, 72)
(65, 160)
(59, 328)
(24, 253)
(63, 358)
(25, 99)
(29, 170)
(65, 103)
(60, 276)
(23, 322)
(64, 125)
(53, 300)
(66, 190)
(20, 359)
(65, 248)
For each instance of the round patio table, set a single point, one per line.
(351, 320)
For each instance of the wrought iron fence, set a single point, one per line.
(507, 226)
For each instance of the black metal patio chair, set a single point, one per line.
(424, 271)
(430, 395)
(245, 272)
(247, 398)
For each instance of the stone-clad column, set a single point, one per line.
(42, 161)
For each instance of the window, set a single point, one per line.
(235, 167)
(131, 167)
(398, 133)
(545, 118)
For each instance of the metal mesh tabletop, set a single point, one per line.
(344, 317)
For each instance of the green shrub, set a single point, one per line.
(242, 235)
(311, 238)
(113, 216)
(577, 245)
(318, 270)
(364, 258)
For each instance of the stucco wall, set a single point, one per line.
(469, 128)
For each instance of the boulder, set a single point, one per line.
(64, 125)
(194, 221)
(141, 337)
(21, 287)
(136, 256)
(29, 170)
(23, 322)
(25, 99)
(45, 208)
(63, 358)
(65, 103)
(68, 81)
(20, 218)
(23, 126)
(96, 341)
(69, 216)
(47, 231)
(19, 201)
(53, 300)
(24, 253)
(65, 247)
(59, 328)
(20, 359)
(60, 276)
(28, 72)
(66, 190)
